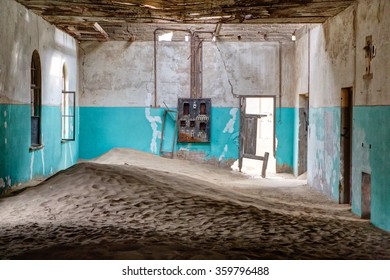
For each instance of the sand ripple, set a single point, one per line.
(120, 211)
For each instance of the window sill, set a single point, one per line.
(36, 147)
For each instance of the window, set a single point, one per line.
(67, 109)
(35, 100)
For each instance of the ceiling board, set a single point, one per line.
(137, 19)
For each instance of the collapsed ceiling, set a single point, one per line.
(261, 20)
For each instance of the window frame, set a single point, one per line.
(35, 102)
(65, 116)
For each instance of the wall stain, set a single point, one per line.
(381, 10)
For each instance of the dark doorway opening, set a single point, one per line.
(346, 145)
(366, 196)
(303, 133)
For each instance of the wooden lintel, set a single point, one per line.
(99, 29)
(73, 30)
(218, 28)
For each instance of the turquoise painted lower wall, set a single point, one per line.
(296, 142)
(371, 150)
(104, 128)
(17, 163)
(323, 168)
(285, 126)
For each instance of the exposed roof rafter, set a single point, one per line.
(111, 19)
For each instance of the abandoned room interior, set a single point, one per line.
(124, 125)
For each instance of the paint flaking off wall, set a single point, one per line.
(154, 121)
(8, 181)
(229, 128)
(31, 165)
(43, 161)
(225, 149)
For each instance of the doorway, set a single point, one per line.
(345, 145)
(303, 133)
(257, 135)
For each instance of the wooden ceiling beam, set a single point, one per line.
(98, 15)
(99, 29)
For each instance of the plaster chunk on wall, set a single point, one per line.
(43, 161)
(8, 181)
(229, 128)
(225, 149)
(31, 165)
(230, 125)
(154, 121)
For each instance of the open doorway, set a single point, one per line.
(303, 133)
(257, 136)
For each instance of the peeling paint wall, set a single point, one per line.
(371, 134)
(331, 69)
(338, 60)
(22, 32)
(252, 68)
(116, 101)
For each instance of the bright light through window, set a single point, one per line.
(166, 37)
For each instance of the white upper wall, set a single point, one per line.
(122, 74)
(22, 32)
(289, 76)
(373, 19)
(251, 67)
(338, 58)
(332, 58)
(115, 73)
(302, 61)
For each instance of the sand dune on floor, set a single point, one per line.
(131, 205)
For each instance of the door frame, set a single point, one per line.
(243, 115)
(345, 186)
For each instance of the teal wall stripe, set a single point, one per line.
(369, 154)
(17, 163)
(371, 150)
(104, 128)
(285, 122)
(324, 150)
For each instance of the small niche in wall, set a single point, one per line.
(186, 109)
(366, 196)
(202, 108)
(202, 126)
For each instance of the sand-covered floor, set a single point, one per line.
(132, 205)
